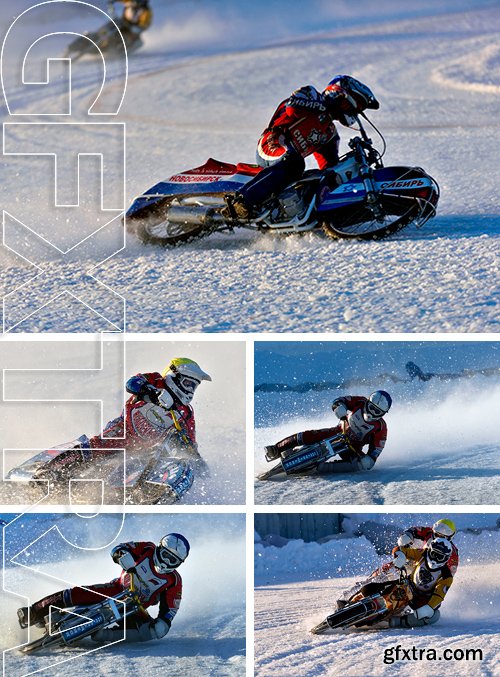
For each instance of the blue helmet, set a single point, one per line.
(170, 553)
(377, 405)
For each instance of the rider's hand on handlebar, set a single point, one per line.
(123, 557)
(340, 410)
(405, 539)
(165, 399)
(399, 559)
(151, 393)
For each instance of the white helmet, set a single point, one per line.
(170, 553)
(437, 552)
(377, 405)
(182, 377)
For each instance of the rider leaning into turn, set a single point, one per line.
(362, 423)
(432, 558)
(149, 570)
(158, 403)
(302, 125)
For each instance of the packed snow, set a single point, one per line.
(221, 438)
(206, 82)
(208, 633)
(442, 445)
(297, 585)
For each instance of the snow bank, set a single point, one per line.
(343, 556)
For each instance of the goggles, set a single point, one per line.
(373, 410)
(187, 383)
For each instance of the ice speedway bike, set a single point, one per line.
(385, 594)
(66, 628)
(306, 458)
(359, 198)
(159, 474)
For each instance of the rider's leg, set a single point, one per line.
(296, 440)
(282, 166)
(63, 599)
(272, 180)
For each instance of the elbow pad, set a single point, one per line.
(136, 384)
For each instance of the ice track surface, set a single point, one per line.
(284, 614)
(193, 93)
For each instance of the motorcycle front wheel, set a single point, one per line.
(359, 222)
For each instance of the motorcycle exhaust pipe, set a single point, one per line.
(194, 215)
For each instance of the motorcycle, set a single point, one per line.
(66, 628)
(387, 593)
(306, 458)
(106, 39)
(160, 475)
(358, 198)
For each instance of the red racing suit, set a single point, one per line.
(144, 423)
(358, 431)
(152, 587)
(303, 122)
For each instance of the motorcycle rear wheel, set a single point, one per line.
(358, 222)
(153, 227)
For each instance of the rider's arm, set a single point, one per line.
(306, 99)
(170, 600)
(145, 384)
(135, 549)
(377, 440)
(440, 591)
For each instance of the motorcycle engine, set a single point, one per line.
(290, 204)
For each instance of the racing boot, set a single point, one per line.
(272, 452)
(237, 208)
(35, 614)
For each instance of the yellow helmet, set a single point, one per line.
(183, 376)
(444, 528)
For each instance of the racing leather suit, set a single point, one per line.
(358, 431)
(152, 588)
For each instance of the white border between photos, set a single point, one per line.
(250, 508)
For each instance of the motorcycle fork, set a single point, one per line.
(366, 175)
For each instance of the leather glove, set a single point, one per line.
(405, 539)
(158, 628)
(165, 399)
(339, 409)
(366, 462)
(151, 393)
(399, 559)
(123, 557)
